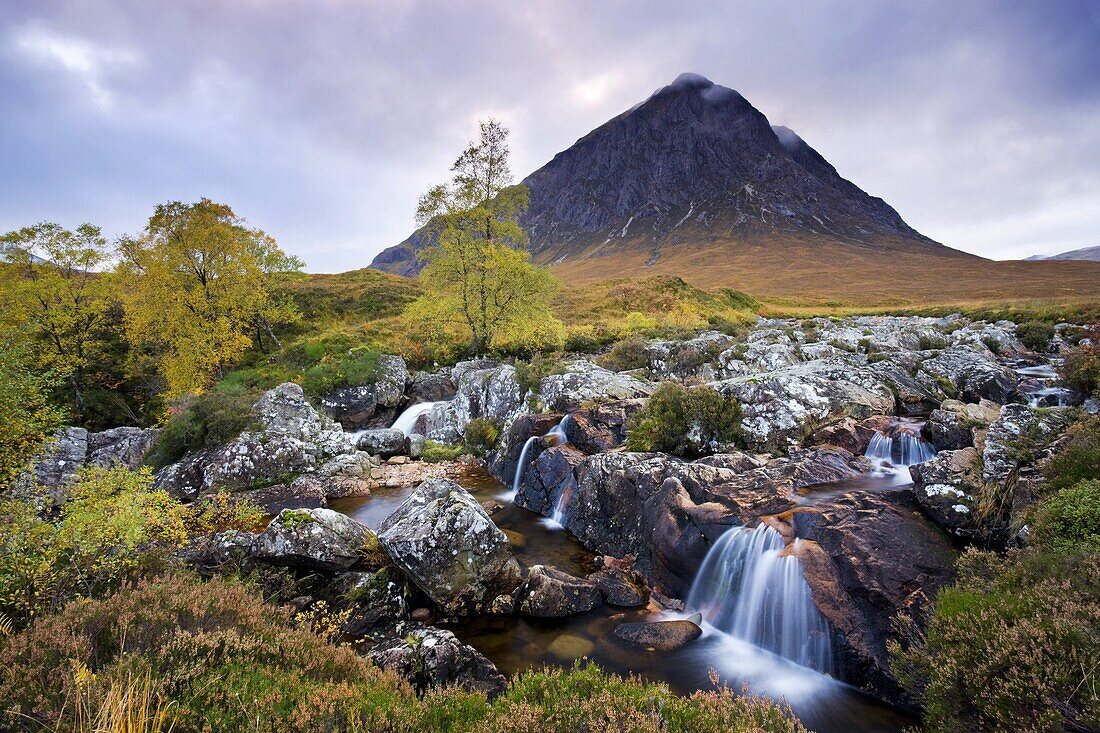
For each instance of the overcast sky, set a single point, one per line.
(321, 122)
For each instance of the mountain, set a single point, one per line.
(695, 163)
(1090, 254)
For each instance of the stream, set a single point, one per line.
(516, 643)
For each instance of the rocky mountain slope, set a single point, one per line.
(697, 164)
(1089, 254)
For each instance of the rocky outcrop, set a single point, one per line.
(955, 424)
(967, 373)
(373, 405)
(431, 658)
(125, 446)
(444, 542)
(601, 428)
(782, 407)
(55, 467)
(312, 539)
(503, 461)
(585, 382)
(694, 357)
(947, 489)
(376, 600)
(551, 593)
(867, 556)
(547, 477)
(484, 390)
(430, 387)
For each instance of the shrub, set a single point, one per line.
(584, 338)
(992, 344)
(1069, 521)
(1079, 459)
(1012, 646)
(436, 452)
(928, 342)
(229, 662)
(685, 421)
(103, 536)
(355, 367)
(529, 374)
(203, 421)
(636, 321)
(630, 353)
(1035, 335)
(1081, 367)
(481, 435)
(26, 416)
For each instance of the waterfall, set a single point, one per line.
(556, 435)
(750, 588)
(899, 445)
(406, 421)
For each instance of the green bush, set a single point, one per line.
(529, 374)
(481, 435)
(1081, 367)
(931, 343)
(1035, 335)
(1011, 647)
(1069, 521)
(1079, 459)
(435, 452)
(630, 353)
(228, 662)
(27, 418)
(203, 421)
(686, 421)
(358, 366)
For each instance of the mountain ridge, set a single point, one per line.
(1084, 254)
(694, 163)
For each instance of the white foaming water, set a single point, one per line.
(898, 447)
(750, 588)
(406, 421)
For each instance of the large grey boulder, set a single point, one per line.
(384, 442)
(312, 539)
(695, 357)
(442, 539)
(783, 406)
(55, 467)
(1018, 438)
(585, 382)
(370, 405)
(967, 373)
(661, 636)
(431, 658)
(484, 390)
(125, 446)
(947, 488)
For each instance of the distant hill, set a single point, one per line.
(1089, 254)
(694, 164)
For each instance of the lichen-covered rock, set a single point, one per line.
(783, 406)
(430, 387)
(384, 442)
(55, 467)
(946, 488)
(445, 543)
(683, 359)
(661, 636)
(431, 658)
(584, 382)
(484, 390)
(968, 374)
(1018, 438)
(377, 600)
(312, 539)
(370, 405)
(552, 593)
(125, 446)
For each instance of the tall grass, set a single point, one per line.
(129, 706)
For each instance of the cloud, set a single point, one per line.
(321, 121)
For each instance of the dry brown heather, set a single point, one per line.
(791, 274)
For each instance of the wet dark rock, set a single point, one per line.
(661, 636)
(300, 494)
(430, 387)
(432, 658)
(312, 539)
(867, 556)
(385, 442)
(602, 428)
(618, 587)
(446, 544)
(547, 477)
(552, 593)
(947, 487)
(503, 461)
(377, 600)
(210, 552)
(370, 405)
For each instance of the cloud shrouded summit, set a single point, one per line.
(322, 122)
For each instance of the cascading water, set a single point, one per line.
(406, 421)
(1048, 393)
(899, 446)
(751, 588)
(556, 434)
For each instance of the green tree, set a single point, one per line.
(26, 416)
(54, 286)
(479, 281)
(200, 290)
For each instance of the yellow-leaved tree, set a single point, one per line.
(479, 282)
(198, 290)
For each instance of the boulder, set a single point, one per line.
(414, 446)
(551, 593)
(946, 488)
(948, 430)
(431, 658)
(548, 475)
(484, 390)
(661, 636)
(446, 544)
(370, 405)
(313, 539)
(1018, 438)
(503, 461)
(684, 359)
(377, 600)
(781, 407)
(967, 373)
(125, 446)
(383, 442)
(602, 428)
(585, 382)
(55, 467)
(618, 587)
(430, 387)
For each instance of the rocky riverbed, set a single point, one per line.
(868, 446)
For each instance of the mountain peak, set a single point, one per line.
(689, 82)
